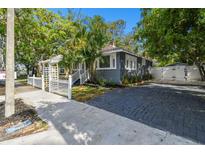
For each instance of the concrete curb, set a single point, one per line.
(180, 83)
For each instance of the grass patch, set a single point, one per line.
(21, 81)
(84, 93)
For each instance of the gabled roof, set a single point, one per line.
(113, 48)
(109, 48)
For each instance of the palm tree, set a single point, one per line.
(96, 38)
(9, 105)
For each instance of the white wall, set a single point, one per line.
(176, 73)
(193, 73)
(3, 75)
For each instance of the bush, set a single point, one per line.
(101, 82)
(110, 83)
(106, 83)
(129, 79)
(147, 77)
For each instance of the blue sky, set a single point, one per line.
(131, 16)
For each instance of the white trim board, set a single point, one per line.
(122, 50)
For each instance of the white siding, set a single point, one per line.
(176, 73)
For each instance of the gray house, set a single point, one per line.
(117, 62)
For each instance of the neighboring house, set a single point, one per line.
(116, 62)
(21, 70)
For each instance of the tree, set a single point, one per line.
(72, 41)
(35, 41)
(129, 43)
(2, 37)
(119, 38)
(173, 35)
(116, 29)
(9, 106)
(96, 38)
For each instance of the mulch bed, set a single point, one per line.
(23, 112)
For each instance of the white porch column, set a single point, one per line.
(43, 83)
(69, 87)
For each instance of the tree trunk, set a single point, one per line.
(92, 71)
(66, 72)
(33, 70)
(38, 70)
(27, 69)
(10, 104)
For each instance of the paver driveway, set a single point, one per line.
(72, 122)
(177, 109)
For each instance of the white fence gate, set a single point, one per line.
(50, 81)
(176, 73)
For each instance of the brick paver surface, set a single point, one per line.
(176, 109)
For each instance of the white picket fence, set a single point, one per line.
(36, 82)
(176, 73)
(61, 87)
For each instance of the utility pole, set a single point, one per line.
(10, 102)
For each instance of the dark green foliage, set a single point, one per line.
(173, 35)
(147, 77)
(106, 83)
(129, 79)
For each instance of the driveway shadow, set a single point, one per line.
(179, 110)
(58, 115)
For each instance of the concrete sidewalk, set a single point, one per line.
(72, 122)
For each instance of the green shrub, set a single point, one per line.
(129, 79)
(125, 81)
(138, 78)
(147, 77)
(106, 83)
(110, 83)
(101, 82)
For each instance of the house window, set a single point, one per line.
(127, 63)
(113, 62)
(104, 62)
(131, 64)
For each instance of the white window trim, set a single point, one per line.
(134, 62)
(112, 55)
